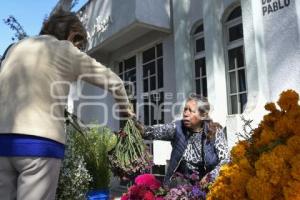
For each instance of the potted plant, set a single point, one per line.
(97, 142)
(74, 179)
(91, 146)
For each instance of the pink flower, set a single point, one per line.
(149, 196)
(125, 197)
(148, 180)
(137, 191)
(159, 198)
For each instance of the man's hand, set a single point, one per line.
(126, 112)
(139, 126)
(130, 114)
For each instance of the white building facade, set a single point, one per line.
(239, 54)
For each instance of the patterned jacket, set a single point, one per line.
(215, 151)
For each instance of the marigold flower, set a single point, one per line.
(292, 190)
(295, 163)
(274, 151)
(269, 167)
(266, 137)
(258, 189)
(230, 185)
(271, 107)
(281, 127)
(283, 151)
(238, 151)
(288, 100)
(245, 165)
(293, 143)
(294, 121)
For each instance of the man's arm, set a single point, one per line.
(5, 52)
(91, 71)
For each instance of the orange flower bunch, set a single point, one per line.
(266, 167)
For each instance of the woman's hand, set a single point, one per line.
(205, 181)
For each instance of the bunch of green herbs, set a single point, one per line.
(95, 144)
(130, 156)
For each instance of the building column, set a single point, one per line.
(257, 72)
(183, 65)
(215, 62)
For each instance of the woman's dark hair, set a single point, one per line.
(60, 25)
(204, 108)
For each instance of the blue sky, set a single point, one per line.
(29, 13)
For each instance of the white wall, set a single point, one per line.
(186, 14)
(272, 56)
(99, 10)
(111, 17)
(215, 62)
(281, 31)
(182, 49)
(272, 52)
(156, 13)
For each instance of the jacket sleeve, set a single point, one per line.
(160, 132)
(221, 147)
(91, 71)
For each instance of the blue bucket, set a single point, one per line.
(98, 195)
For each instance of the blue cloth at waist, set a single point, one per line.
(30, 146)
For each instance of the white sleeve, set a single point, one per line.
(91, 71)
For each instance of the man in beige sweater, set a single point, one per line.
(32, 137)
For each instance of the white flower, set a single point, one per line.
(74, 177)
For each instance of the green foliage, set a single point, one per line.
(94, 145)
(85, 165)
(74, 179)
(130, 156)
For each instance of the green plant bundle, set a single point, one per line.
(130, 156)
(95, 143)
(74, 179)
(86, 165)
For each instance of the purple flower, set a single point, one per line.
(194, 176)
(197, 192)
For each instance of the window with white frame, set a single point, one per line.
(236, 66)
(127, 72)
(199, 61)
(147, 65)
(153, 83)
(152, 64)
